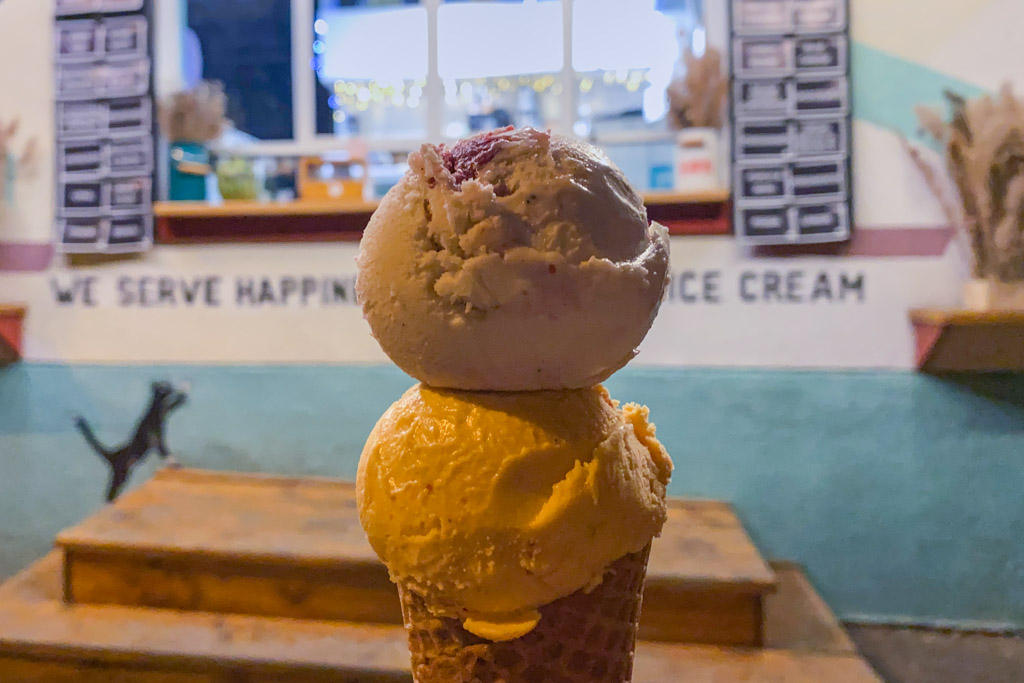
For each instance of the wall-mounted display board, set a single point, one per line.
(791, 121)
(105, 133)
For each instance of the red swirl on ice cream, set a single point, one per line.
(465, 157)
(514, 260)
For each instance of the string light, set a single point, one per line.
(484, 92)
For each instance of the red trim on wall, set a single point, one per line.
(874, 243)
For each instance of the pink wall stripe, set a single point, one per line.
(21, 257)
(875, 243)
(866, 243)
(900, 241)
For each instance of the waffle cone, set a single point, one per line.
(582, 637)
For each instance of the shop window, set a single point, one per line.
(371, 62)
(500, 64)
(391, 73)
(246, 45)
(624, 55)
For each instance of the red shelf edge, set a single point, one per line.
(926, 336)
(961, 341)
(702, 218)
(11, 323)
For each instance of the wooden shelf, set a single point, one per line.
(968, 341)
(705, 197)
(11, 319)
(701, 213)
(248, 209)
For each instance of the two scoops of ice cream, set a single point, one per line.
(511, 498)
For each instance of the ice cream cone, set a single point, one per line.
(582, 637)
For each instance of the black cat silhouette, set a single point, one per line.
(149, 433)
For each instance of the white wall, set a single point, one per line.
(960, 37)
(26, 93)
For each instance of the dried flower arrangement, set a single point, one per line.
(10, 161)
(195, 115)
(698, 99)
(984, 156)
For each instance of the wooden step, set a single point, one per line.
(796, 618)
(666, 663)
(44, 639)
(286, 547)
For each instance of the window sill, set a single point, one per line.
(705, 213)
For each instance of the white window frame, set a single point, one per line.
(305, 140)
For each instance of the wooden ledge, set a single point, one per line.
(11, 322)
(304, 207)
(968, 341)
(241, 208)
(690, 213)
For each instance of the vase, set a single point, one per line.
(190, 164)
(236, 179)
(991, 295)
(697, 163)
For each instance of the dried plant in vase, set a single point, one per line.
(195, 115)
(12, 162)
(696, 104)
(191, 120)
(984, 196)
(697, 100)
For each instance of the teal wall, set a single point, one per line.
(901, 493)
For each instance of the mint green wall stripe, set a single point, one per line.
(886, 88)
(900, 493)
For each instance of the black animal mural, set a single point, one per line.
(149, 434)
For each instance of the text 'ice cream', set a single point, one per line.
(490, 505)
(515, 260)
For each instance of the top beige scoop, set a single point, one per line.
(515, 260)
